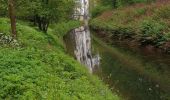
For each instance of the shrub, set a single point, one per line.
(120, 3)
(152, 28)
(62, 28)
(163, 12)
(152, 32)
(167, 36)
(123, 32)
(99, 9)
(3, 8)
(141, 11)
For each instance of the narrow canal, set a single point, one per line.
(134, 73)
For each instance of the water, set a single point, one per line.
(78, 41)
(134, 73)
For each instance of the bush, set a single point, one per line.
(167, 36)
(163, 12)
(99, 9)
(141, 11)
(3, 8)
(120, 3)
(152, 28)
(152, 32)
(123, 32)
(63, 28)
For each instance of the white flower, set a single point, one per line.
(157, 85)
(150, 89)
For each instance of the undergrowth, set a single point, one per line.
(147, 23)
(40, 69)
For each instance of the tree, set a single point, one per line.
(3, 8)
(44, 12)
(52, 11)
(114, 3)
(11, 10)
(41, 12)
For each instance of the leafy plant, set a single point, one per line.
(99, 9)
(141, 11)
(40, 69)
(163, 12)
(152, 32)
(152, 28)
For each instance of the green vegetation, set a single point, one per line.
(63, 28)
(99, 6)
(102, 5)
(120, 3)
(148, 24)
(40, 12)
(134, 63)
(39, 68)
(33, 61)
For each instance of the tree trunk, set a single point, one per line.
(45, 24)
(114, 3)
(11, 10)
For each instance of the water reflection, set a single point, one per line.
(133, 74)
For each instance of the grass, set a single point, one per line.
(40, 69)
(131, 16)
(141, 20)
